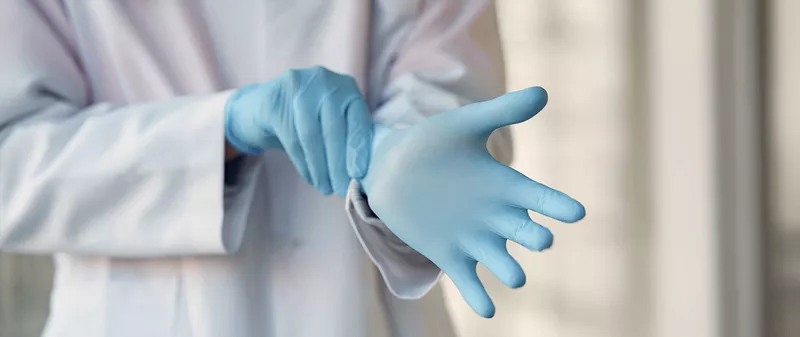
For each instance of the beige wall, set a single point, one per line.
(24, 294)
(785, 116)
(784, 138)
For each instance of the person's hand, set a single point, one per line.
(439, 190)
(317, 116)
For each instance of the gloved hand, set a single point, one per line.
(317, 116)
(439, 190)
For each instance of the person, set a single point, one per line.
(177, 158)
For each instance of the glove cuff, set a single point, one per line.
(230, 135)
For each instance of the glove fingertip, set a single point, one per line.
(487, 311)
(547, 241)
(543, 239)
(341, 190)
(325, 190)
(516, 281)
(562, 207)
(579, 214)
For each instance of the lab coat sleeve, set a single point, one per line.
(137, 180)
(434, 57)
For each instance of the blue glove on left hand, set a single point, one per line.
(439, 190)
(317, 116)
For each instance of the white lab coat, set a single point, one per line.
(111, 159)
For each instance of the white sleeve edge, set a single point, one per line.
(407, 273)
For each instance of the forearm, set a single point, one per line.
(129, 181)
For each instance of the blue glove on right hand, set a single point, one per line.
(439, 190)
(317, 116)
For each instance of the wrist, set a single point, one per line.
(239, 136)
(379, 135)
(230, 151)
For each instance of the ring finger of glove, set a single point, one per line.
(309, 133)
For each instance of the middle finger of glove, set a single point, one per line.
(308, 127)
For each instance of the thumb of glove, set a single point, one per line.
(512, 108)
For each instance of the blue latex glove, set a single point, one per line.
(317, 116)
(440, 191)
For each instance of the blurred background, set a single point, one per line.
(675, 123)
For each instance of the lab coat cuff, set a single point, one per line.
(241, 174)
(235, 179)
(407, 273)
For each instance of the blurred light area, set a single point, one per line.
(783, 172)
